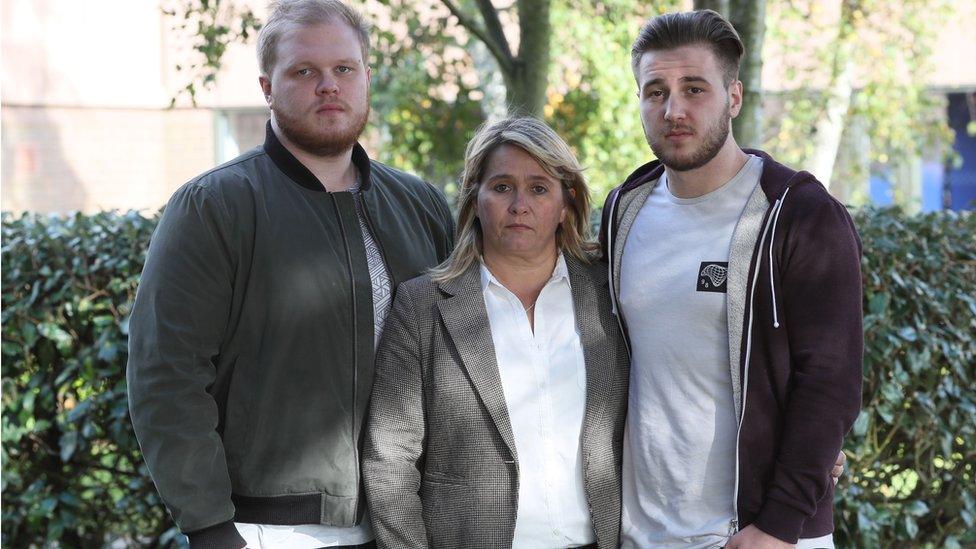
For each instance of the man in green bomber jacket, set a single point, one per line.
(264, 292)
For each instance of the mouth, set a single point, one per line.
(678, 134)
(518, 227)
(330, 107)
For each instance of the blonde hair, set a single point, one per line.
(573, 236)
(305, 13)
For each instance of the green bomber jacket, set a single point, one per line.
(251, 337)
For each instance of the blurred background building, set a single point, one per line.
(87, 121)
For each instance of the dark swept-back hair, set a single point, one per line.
(689, 28)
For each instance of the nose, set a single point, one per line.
(327, 85)
(674, 109)
(519, 204)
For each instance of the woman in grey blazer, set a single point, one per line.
(498, 404)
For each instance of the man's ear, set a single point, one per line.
(735, 97)
(265, 88)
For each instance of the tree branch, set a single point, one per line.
(492, 37)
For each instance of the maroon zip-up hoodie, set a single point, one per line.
(800, 359)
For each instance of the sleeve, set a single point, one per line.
(396, 433)
(176, 327)
(821, 298)
(447, 223)
(605, 222)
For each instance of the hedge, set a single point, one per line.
(73, 475)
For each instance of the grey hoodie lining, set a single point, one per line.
(744, 239)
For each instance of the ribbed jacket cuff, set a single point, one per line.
(218, 536)
(780, 521)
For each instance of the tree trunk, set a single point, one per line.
(749, 19)
(721, 6)
(826, 134)
(494, 106)
(529, 78)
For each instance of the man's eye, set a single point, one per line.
(655, 94)
(342, 69)
(304, 72)
(695, 91)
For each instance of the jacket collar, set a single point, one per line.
(466, 319)
(297, 172)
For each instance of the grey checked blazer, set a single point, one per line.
(439, 463)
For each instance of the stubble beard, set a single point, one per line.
(713, 139)
(317, 140)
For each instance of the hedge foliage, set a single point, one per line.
(72, 473)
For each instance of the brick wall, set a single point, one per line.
(89, 159)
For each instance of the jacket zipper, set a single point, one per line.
(734, 524)
(355, 354)
(361, 204)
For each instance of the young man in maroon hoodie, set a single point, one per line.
(737, 280)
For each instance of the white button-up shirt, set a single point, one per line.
(544, 380)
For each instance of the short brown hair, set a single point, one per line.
(305, 13)
(700, 27)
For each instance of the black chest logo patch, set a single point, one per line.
(713, 276)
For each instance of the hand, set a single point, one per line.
(838, 469)
(751, 537)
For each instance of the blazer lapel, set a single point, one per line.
(466, 320)
(593, 339)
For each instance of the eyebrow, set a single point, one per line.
(510, 176)
(344, 61)
(683, 80)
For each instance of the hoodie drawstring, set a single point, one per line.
(772, 287)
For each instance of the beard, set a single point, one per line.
(713, 139)
(321, 139)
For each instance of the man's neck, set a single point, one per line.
(717, 172)
(335, 173)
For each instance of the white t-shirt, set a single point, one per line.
(679, 443)
(543, 376)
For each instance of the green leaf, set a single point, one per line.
(48, 505)
(911, 527)
(917, 508)
(861, 424)
(69, 443)
(878, 304)
(908, 333)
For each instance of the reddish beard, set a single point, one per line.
(330, 139)
(713, 139)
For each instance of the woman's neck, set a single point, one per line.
(523, 276)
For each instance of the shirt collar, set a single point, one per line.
(559, 272)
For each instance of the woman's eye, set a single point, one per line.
(500, 188)
(540, 189)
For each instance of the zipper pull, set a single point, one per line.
(733, 527)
